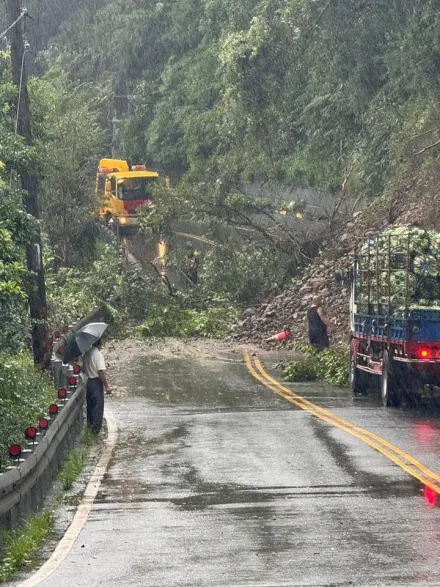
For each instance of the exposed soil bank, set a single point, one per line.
(415, 202)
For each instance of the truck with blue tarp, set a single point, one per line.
(395, 313)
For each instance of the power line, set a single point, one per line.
(23, 14)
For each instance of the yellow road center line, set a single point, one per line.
(362, 431)
(66, 543)
(417, 470)
(371, 435)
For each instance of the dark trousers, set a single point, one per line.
(193, 276)
(319, 341)
(95, 404)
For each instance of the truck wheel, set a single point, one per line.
(389, 389)
(357, 378)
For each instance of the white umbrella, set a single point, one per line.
(83, 340)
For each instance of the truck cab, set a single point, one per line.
(123, 191)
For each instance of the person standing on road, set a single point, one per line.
(94, 368)
(193, 264)
(318, 324)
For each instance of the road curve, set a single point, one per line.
(216, 480)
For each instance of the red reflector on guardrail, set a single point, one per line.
(43, 424)
(15, 451)
(431, 496)
(31, 433)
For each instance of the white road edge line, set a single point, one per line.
(65, 545)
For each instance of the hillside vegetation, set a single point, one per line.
(338, 95)
(320, 93)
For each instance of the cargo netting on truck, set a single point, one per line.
(398, 272)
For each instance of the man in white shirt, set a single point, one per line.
(94, 368)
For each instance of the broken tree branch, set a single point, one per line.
(427, 148)
(423, 134)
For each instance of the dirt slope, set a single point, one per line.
(417, 201)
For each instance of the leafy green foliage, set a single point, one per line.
(109, 281)
(174, 319)
(243, 275)
(329, 365)
(70, 142)
(300, 371)
(262, 88)
(25, 394)
(303, 92)
(332, 366)
(310, 92)
(239, 269)
(12, 277)
(16, 225)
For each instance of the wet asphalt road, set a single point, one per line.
(216, 481)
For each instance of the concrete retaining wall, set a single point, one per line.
(23, 488)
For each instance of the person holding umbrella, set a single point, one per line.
(88, 341)
(94, 368)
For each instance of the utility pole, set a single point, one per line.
(34, 258)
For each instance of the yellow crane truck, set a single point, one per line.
(122, 191)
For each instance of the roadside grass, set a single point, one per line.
(21, 546)
(74, 463)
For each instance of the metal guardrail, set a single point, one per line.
(12, 480)
(24, 484)
(23, 487)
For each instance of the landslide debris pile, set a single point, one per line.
(416, 202)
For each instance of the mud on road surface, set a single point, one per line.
(120, 352)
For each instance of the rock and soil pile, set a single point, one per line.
(416, 202)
